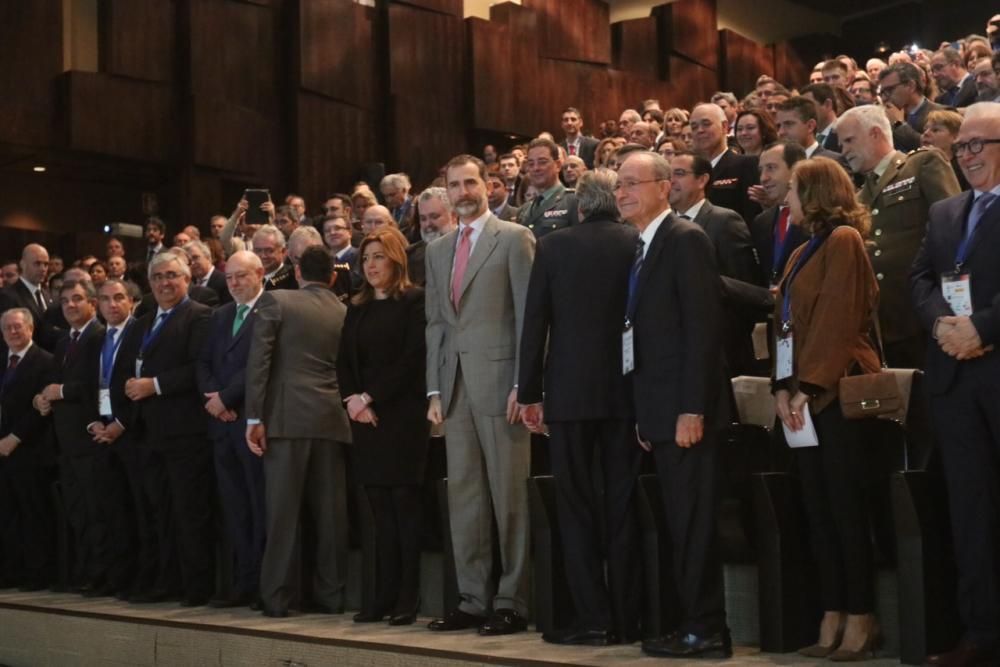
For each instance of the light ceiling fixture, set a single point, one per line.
(38, 168)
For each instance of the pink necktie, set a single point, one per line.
(461, 261)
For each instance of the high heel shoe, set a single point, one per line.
(866, 652)
(820, 651)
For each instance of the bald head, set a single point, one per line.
(708, 130)
(34, 263)
(375, 217)
(244, 276)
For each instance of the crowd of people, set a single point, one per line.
(602, 290)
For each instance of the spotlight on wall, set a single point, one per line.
(882, 48)
(38, 169)
(124, 229)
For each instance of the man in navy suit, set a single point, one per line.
(203, 274)
(955, 283)
(222, 383)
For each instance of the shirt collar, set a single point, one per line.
(923, 101)
(204, 278)
(718, 157)
(20, 355)
(32, 287)
(976, 194)
(650, 231)
(883, 164)
(84, 327)
(549, 192)
(343, 251)
(812, 149)
(477, 224)
(160, 311)
(252, 302)
(120, 327)
(693, 211)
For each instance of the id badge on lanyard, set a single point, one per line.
(104, 402)
(957, 291)
(784, 354)
(628, 350)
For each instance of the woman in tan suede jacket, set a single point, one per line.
(824, 307)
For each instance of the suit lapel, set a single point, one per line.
(890, 173)
(537, 214)
(654, 252)
(987, 224)
(170, 319)
(485, 244)
(243, 328)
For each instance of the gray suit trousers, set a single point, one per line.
(488, 466)
(314, 469)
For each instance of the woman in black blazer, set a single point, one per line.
(380, 368)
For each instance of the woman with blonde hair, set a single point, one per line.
(940, 131)
(823, 315)
(380, 368)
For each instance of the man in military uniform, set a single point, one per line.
(554, 207)
(269, 246)
(899, 189)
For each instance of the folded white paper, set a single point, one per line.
(805, 436)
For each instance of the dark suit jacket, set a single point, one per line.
(832, 142)
(17, 416)
(222, 365)
(587, 147)
(556, 212)
(171, 358)
(217, 283)
(76, 372)
(507, 212)
(731, 178)
(967, 94)
(18, 296)
(762, 232)
(678, 332)
(936, 257)
(573, 318)
(415, 262)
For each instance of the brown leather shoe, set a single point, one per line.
(966, 654)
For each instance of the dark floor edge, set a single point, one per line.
(286, 636)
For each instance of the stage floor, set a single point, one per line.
(63, 629)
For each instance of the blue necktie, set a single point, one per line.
(108, 353)
(633, 278)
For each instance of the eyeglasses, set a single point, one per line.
(163, 277)
(632, 185)
(974, 146)
(886, 91)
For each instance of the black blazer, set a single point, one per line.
(936, 257)
(573, 319)
(588, 145)
(17, 416)
(198, 294)
(77, 372)
(762, 232)
(415, 262)
(217, 283)
(18, 296)
(171, 358)
(678, 332)
(731, 178)
(222, 366)
(967, 94)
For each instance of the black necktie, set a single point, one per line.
(12, 364)
(39, 300)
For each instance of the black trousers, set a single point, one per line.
(176, 497)
(835, 494)
(26, 519)
(597, 521)
(908, 352)
(689, 479)
(967, 424)
(398, 512)
(240, 476)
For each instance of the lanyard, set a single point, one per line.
(150, 336)
(781, 248)
(108, 362)
(965, 245)
(786, 307)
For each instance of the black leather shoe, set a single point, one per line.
(456, 619)
(580, 637)
(716, 646)
(273, 613)
(406, 618)
(966, 654)
(369, 617)
(503, 622)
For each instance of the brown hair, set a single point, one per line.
(951, 120)
(464, 159)
(394, 244)
(827, 196)
(768, 133)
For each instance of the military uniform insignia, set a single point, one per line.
(725, 182)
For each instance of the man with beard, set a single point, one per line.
(477, 280)
(436, 219)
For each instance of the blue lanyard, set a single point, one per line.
(108, 356)
(150, 336)
(786, 307)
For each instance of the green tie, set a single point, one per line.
(241, 314)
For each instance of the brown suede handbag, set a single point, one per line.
(870, 394)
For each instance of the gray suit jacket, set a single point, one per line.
(485, 334)
(292, 368)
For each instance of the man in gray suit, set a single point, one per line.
(477, 281)
(297, 423)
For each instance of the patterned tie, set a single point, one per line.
(241, 315)
(12, 364)
(461, 262)
(40, 300)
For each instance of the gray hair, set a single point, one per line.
(200, 247)
(868, 116)
(990, 110)
(441, 194)
(23, 312)
(595, 192)
(86, 285)
(399, 181)
(716, 110)
(271, 231)
(170, 255)
(307, 235)
(631, 114)
(727, 96)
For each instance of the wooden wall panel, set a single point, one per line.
(231, 137)
(452, 7)
(31, 35)
(743, 61)
(789, 67)
(137, 38)
(428, 115)
(336, 50)
(635, 46)
(576, 30)
(692, 83)
(334, 141)
(119, 117)
(490, 76)
(234, 53)
(689, 28)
